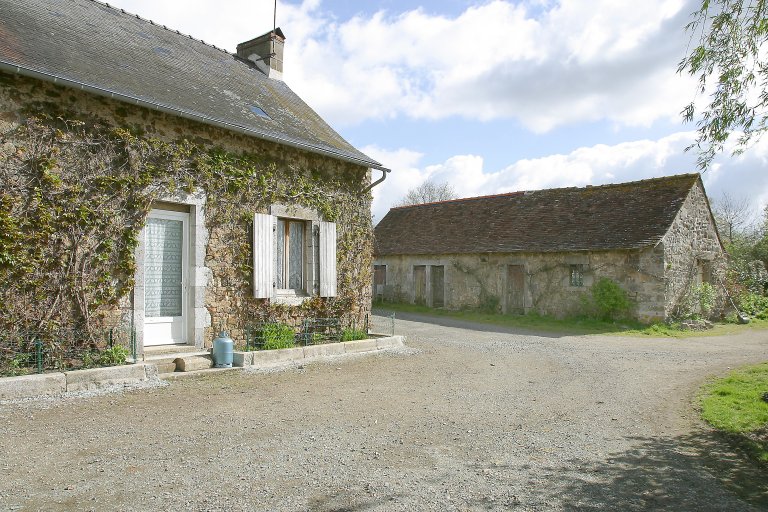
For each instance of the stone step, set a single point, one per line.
(173, 358)
(193, 363)
(163, 368)
(169, 357)
(166, 350)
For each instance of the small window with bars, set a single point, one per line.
(576, 275)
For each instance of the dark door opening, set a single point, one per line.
(516, 289)
(437, 280)
(420, 284)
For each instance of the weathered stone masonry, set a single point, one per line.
(221, 230)
(657, 278)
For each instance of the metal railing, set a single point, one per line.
(24, 352)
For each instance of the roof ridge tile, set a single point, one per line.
(152, 22)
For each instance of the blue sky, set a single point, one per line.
(492, 96)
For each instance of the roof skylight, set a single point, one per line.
(259, 111)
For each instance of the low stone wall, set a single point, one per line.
(51, 384)
(287, 355)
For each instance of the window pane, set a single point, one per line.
(316, 258)
(280, 254)
(162, 268)
(296, 257)
(577, 275)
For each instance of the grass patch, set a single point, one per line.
(532, 321)
(573, 325)
(734, 404)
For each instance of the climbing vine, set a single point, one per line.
(75, 194)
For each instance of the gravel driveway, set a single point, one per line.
(465, 419)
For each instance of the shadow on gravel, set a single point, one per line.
(475, 326)
(699, 471)
(344, 502)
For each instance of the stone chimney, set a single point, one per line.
(265, 52)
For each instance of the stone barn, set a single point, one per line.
(542, 250)
(151, 180)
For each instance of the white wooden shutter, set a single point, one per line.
(327, 259)
(263, 256)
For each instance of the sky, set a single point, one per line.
(491, 96)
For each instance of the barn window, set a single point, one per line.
(577, 275)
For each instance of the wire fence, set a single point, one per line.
(381, 321)
(271, 335)
(25, 352)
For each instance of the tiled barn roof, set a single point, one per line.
(88, 44)
(620, 216)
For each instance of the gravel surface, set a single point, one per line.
(464, 419)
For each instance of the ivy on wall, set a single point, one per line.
(75, 194)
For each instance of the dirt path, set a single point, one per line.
(470, 420)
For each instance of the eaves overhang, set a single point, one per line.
(187, 114)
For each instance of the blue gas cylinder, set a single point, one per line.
(222, 350)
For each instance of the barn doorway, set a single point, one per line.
(515, 296)
(437, 282)
(420, 284)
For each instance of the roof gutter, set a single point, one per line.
(48, 77)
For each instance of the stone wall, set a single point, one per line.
(692, 252)
(658, 279)
(480, 280)
(223, 282)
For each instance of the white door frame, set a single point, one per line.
(183, 320)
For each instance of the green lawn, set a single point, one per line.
(734, 405)
(579, 325)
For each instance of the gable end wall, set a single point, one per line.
(691, 241)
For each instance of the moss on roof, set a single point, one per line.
(618, 216)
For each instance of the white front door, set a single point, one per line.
(165, 278)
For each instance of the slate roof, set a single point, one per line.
(621, 216)
(114, 53)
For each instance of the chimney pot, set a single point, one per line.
(265, 52)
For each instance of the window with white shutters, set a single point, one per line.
(293, 257)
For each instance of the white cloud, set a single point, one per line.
(544, 64)
(595, 165)
(405, 176)
(575, 61)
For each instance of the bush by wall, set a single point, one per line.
(608, 301)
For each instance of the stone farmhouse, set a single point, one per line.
(150, 179)
(542, 250)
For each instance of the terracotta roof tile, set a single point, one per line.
(619, 216)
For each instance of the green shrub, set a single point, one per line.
(752, 303)
(706, 295)
(609, 300)
(351, 334)
(114, 356)
(277, 335)
(489, 303)
(698, 303)
(20, 364)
